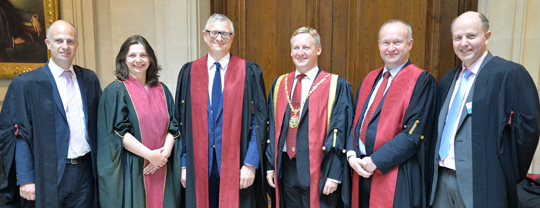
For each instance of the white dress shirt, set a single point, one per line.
(307, 82)
(61, 81)
(393, 73)
(450, 160)
(224, 62)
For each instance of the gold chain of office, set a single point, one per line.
(294, 120)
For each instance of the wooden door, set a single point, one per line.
(348, 29)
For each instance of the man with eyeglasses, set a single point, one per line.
(221, 107)
(395, 112)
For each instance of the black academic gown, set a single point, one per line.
(505, 130)
(254, 103)
(334, 158)
(28, 114)
(405, 149)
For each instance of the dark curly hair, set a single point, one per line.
(122, 71)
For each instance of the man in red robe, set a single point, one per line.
(310, 116)
(221, 107)
(394, 115)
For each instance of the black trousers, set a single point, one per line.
(76, 189)
(293, 194)
(213, 184)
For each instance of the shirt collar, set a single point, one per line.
(476, 65)
(395, 70)
(224, 62)
(57, 71)
(310, 74)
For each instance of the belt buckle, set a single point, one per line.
(73, 161)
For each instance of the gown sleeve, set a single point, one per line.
(340, 122)
(421, 114)
(176, 154)
(14, 125)
(522, 123)
(113, 124)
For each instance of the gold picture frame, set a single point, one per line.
(8, 69)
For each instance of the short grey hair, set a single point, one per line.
(311, 31)
(409, 29)
(219, 18)
(484, 22)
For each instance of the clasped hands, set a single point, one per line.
(156, 160)
(363, 167)
(247, 176)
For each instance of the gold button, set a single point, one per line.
(180, 123)
(250, 128)
(182, 101)
(344, 151)
(404, 126)
(323, 148)
(421, 137)
(268, 123)
(268, 141)
(335, 130)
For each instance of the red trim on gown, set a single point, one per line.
(233, 94)
(318, 114)
(395, 105)
(151, 108)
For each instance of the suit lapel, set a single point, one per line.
(444, 109)
(82, 88)
(469, 99)
(306, 104)
(55, 93)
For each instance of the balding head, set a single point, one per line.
(62, 42)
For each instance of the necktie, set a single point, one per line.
(452, 116)
(216, 90)
(291, 132)
(76, 134)
(373, 107)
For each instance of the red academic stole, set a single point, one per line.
(390, 124)
(233, 96)
(318, 127)
(151, 109)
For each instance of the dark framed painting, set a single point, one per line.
(23, 25)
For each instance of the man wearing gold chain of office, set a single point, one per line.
(310, 116)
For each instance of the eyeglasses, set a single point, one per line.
(214, 34)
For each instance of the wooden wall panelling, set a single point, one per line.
(366, 17)
(349, 32)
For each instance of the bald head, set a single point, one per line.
(470, 36)
(471, 15)
(62, 42)
(61, 23)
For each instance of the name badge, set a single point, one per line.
(469, 107)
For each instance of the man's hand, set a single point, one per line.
(28, 191)
(247, 176)
(270, 179)
(369, 165)
(357, 165)
(183, 178)
(329, 187)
